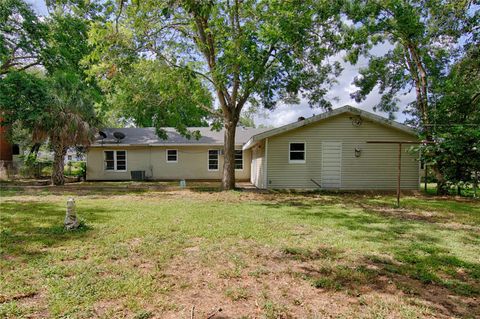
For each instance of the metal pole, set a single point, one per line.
(399, 172)
(426, 176)
(399, 159)
(475, 185)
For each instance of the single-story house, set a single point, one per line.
(328, 151)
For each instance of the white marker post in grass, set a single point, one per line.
(71, 220)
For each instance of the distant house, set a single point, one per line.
(73, 155)
(328, 151)
(70, 156)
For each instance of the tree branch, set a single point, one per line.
(206, 46)
(235, 24)
(170, 63)
(256, 77)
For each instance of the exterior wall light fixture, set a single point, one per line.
(358, 151)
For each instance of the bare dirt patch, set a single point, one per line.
(272, 284)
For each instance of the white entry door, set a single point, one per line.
(331, 165)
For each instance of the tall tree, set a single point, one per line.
(71, 115)
(69, 120)
(456, 118)
(58, 102)
(422, 39)
(58, 108)
(249, 51)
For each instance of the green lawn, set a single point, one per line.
(154, 254)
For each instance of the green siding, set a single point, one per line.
(258, 166)
(376, 168)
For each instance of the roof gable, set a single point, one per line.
(317, 118)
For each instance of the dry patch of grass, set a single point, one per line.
(160, 254)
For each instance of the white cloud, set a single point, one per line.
(285, 114)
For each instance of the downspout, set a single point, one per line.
(266, 163)
(150, 166)
(86, 163)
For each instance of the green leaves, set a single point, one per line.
(239, 47)
(421, 38)
(154, 94)
(57, 103)
(456, 121)
(66, 43)
(23, 98)
(22, 36)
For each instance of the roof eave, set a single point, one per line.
(344, 109)
(162, 145)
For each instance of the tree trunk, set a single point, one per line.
(442, 187)
(419, 75)
(34, 151)
(57, 169)
(228, 178)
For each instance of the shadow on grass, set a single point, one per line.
(28, 229)
(450, 297)
(59, 190)
(205, 189)
(364, 224)
(415, 261)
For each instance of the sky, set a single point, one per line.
(284, 114)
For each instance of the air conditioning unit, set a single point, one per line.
(137, 175)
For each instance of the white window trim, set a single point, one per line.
(114, 161)
(304, 151)
(208, 160)
(166, 155)
(243, 162)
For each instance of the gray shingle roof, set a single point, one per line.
(147, 136)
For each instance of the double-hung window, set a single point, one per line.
(115, 161)
(238, 159)
(213, 160)
(296, 153)
(172, 156)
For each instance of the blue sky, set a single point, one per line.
(39, 5)
(285, 114)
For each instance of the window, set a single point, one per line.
(172, 156)
(239, 159)
(213, 160)
(69, 157)
(297, 153)
(109, 160)
(115, 160)
(121, 161)
(15, 149)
